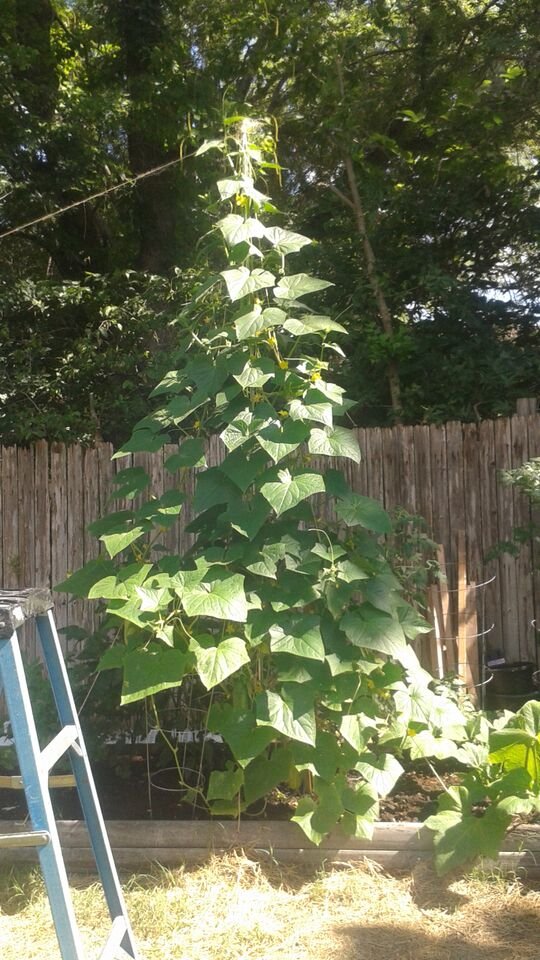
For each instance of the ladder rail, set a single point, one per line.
(35, 766)
(38, 798)
(82, 772)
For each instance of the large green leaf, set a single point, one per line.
(111, 523)
(298, 285)
(163, 511)
(355, 510)
(528, 717)
(225, 784)
(334, 442)
(292, 714)
(130, 482)
(291, 489)
(249, 324)
(320, 412)
(236, 230)
(373, 629)
(243, 468)
(142, 441)
(81, 582)
(323, 759)
(213, 488)
(382, 771)
(245, 424)
(279, 440)
(208, 375)
(301, 638)
(257, 320)
(151, 669)
(119, 585)
(190, 454)
(311, 323)
(357, 729)
(248, 516)
(236, 186)
(256, 373)
(362, 800)
(264, 773)
(173, 382)
(317, 818)
(130, 610)
(516, 749)
(223, 599)
(425, 744)
(241, 281)
(216, 662)
(240, 732)
(285, 241)
(461, 835)
(116, 542)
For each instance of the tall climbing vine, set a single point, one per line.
(295, 626)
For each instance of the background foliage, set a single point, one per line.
(411, 143)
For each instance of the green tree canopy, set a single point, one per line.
(411, 143)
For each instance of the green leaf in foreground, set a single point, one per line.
(130, 482)
(311, 323)
(292, 714)
(242, 281)
(374, 629)
(317, 817)
(298, 285)
(459, 835)
(116, 542)
(190, 454)
(81, 582)
(382, 771)
(264, 773)
(355, 510)
(239, 730)
(334, 442)
(290, 490)
(301, 638)
(216, 662)
(224, 785)
(151, 669)
(223, 599)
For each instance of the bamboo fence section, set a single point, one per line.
(447, 474)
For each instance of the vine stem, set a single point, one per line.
(437, 777)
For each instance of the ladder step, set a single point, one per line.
(55, 781)
(118, 931)
(59, 744)
(35, 838)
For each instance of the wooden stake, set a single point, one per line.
(467, 624)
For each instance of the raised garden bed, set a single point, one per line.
(155, 826)
(136, 844)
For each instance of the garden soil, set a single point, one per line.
(135, 795)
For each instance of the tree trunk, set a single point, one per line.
(141, 27)
(380, 299)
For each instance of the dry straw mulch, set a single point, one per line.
(234, 908)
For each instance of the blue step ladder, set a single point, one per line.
(35, 766)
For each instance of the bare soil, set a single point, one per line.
(128, 795)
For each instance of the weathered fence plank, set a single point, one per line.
(447, 474)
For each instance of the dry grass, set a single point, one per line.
(234, 908)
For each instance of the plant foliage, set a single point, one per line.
(294, 629)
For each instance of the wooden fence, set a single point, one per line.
(447, 474)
